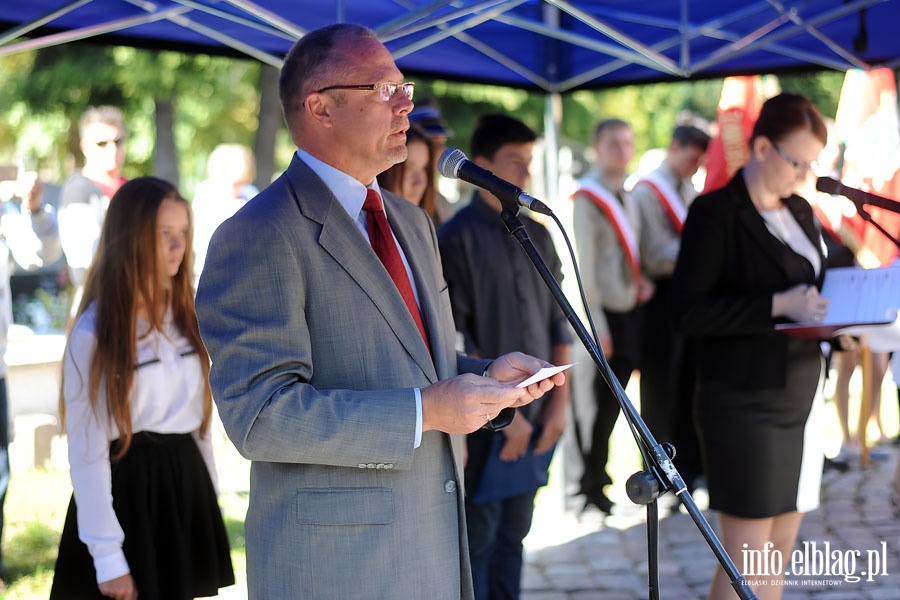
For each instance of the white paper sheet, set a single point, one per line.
(544, 374)
(862, 295)
(869, 301)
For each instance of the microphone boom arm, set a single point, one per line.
(861, 198)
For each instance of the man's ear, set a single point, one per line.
(318, 107)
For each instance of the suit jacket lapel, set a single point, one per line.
(806, 220)
(341, 238)
(755, 224)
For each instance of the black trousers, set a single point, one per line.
(688, 459)
(595, 409)
(660, 362)
(668, 366)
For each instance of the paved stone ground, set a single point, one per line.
(607, 560)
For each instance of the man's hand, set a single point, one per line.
(645, 289)
(464, 403)
(517, 434)
(120, 588)
(515, 366)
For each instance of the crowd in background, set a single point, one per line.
(684, 290)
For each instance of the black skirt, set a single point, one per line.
(756, 443)
(175, 540)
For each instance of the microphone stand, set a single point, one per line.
(867, 217)
(661, 474)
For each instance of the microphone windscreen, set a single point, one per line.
(829, 185)
(449, 162)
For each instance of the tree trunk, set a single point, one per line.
(269, 121)
(165, 158)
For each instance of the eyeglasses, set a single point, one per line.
(385, 89)
(800, 166)
(104, 143)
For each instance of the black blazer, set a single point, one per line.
(727, 270)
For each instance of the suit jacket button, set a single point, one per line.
(370, 466)
(361, 465)
(379, 466)
(449, 486)
(389, 465)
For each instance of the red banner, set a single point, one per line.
(742, 98)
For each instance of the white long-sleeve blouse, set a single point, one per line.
(166, 397)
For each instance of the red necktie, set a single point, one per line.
(383, 243)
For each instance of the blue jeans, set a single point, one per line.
(496, 531)
(4, 456)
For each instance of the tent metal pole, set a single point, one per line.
(51, 16)
(227, 40)
(268, 16)
(450, 31)
(552, 122)
(88, 32)
(246, 22)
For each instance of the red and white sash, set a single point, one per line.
(616, 214)
(668, 198)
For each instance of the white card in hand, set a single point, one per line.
(544, 373)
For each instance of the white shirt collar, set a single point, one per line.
(350, 193)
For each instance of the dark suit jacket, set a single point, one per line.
(729, 267)
(314, 357)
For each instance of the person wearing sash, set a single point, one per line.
(606, 237)
(662, 197)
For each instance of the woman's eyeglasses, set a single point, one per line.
(804, 167)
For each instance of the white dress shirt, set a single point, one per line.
(166, 397)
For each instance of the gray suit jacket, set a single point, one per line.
(314, 357)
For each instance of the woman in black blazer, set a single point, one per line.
(752, 257)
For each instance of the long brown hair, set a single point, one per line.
(392, 179)
(123, 274)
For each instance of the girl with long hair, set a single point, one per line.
(414, 178)
(143, 520)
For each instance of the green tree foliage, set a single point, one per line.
(651, 109)
(824, 88)
(216, 100)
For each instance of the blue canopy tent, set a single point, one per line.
(550, 45)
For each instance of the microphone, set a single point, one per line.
(453, 164)
(859, 197)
